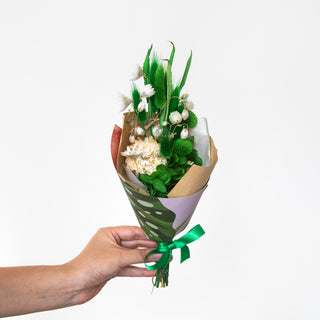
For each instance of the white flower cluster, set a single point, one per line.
(143, 156)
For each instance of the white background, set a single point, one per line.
(255, 75)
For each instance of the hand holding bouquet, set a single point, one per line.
(164, 157)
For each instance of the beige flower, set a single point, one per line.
(143, 156)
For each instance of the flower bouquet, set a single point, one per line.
(164, 157)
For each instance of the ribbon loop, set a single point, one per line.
(166, 248)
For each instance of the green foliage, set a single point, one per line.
(142, 116)
(198, 161)
(179, 152)
(182, 147)
(174, 101)
(159, 185)
(135, 97)
(165, 146)
(180, 107)
(186, 71)
(146, 65)
(153, 69)
(192, 119)
(160, 87)
(172, 52)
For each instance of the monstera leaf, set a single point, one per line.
(155, 220)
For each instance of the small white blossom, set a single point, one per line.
(125, 102)
(142, 105)
(156, 131)
(184, 133)
(164, 123)
(185, 114)
(185, 96)
(132, 139)
(140, 131)
(189, 104)
(147, 91)
(137, 73)
(175, 117)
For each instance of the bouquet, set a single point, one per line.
(164, 157)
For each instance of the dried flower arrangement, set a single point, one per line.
(161, 147)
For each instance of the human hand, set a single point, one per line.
(111, 252)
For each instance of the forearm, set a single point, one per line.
(36, 288)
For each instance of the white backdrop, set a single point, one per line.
(255, 75)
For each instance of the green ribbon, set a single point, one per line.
(165, 248)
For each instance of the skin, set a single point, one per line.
(111, 252)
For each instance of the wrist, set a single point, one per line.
(78, 286)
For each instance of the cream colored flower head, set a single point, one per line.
(143, 156)
(147, 91)
(156, 131)
(175, 117)
(143, 105)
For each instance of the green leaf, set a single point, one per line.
(161, 168)
(180, 107)
(183, 147)
(159, 185)
(183, 160)
(155, 174)
(186, 70)
(191, 139)
(165, 148)
(145, 178)
(146, 65)
(165, 178)
(198, 161)
(174, 101)
(169, 84)
(160, 87)
(135, 97)
(153, 69)
(142, 116)
(192, 119)
(172, 52)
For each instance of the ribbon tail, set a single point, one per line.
(185, 254)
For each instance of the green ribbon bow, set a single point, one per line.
(166, 248)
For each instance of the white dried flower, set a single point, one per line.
(175, 117)
(125, 102)
(137, 73)
(156, 131)
(185, 96)
(189, 104)
(164, 123)
(143, 105)
(185, 114)
(147, 91)
(132, 139)
(184, 133)
(139, 131)
(143, 156)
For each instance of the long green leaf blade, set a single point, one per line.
(172, 52)
(185, 75)
(160, 87)
(169, 89)
(146, 65)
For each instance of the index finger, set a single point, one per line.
(128, 233)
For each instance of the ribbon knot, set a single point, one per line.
(165, 248)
